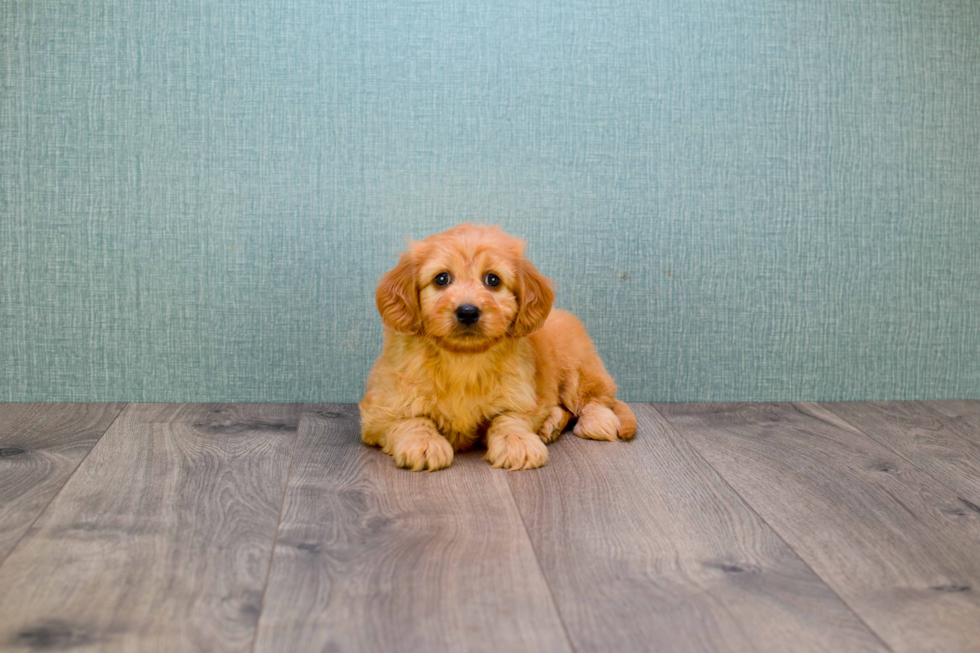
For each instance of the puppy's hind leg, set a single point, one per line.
(605, 418)
(554, 424)
(627, 420)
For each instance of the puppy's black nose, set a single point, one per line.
(467, 314)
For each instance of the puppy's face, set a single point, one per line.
(467, 293)
(465, 289)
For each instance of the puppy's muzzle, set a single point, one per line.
(467, 314)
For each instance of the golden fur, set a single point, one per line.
(512, 380)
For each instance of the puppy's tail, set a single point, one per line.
(627, 420)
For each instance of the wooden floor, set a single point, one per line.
(269, 527)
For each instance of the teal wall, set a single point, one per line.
(742, 199)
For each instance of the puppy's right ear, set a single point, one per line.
(397, 297)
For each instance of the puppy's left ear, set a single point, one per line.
(534, 297)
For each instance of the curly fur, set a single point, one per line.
(513, 380)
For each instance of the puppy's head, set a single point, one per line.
(465, 289)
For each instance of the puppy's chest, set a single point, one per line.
(461, 401)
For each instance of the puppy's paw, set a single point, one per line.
(553, 425)
(419, 452)
(627, 420)
(597, 423)
(516, 450)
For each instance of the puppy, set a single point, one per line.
(473, 352)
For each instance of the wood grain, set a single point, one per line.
(893, 542)
(965, 411)
(40, 447)
(373, 558)
(161, 540)
(947, 447)
(645, 547)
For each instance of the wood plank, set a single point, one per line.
(645, 547)
(374, 558)
(890, 540)
(40, 447)
(161, 540)
(966, 411)
(945, 447)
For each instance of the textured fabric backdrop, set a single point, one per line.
(742, 199)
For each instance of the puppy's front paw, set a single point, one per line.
(516, 450)
(420, 452)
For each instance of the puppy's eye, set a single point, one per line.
(442, 279)
(492, 280)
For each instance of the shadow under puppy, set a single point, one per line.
(473, 352)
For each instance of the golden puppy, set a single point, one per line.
(473, 351)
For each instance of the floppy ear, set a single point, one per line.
(534, 299)
(397, 297)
